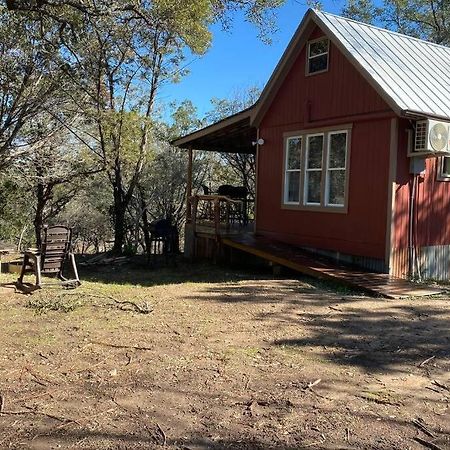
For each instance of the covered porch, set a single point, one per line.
(213, 213)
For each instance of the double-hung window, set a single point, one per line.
(316, 170)
(313, 169)
(317, 56)
(292, 174)
(336, 168)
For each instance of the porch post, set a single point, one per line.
(189, 186)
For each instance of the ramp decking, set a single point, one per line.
(301, 261)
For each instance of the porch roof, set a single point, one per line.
(234, 134)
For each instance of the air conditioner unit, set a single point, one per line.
(431, 138)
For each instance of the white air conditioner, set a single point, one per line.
(431, 138)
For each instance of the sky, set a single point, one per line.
(238, 59)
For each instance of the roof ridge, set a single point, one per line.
(369, 25)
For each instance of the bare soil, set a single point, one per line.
(226, 359)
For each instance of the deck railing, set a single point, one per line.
(217, 213)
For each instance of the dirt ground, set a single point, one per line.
(224, 359)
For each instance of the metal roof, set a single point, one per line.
(413, 73)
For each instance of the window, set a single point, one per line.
(336, 164)
(444, 169)
(313, 170)
(292, 174)
(316, 172)
(318, 55)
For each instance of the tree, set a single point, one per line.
(53, 172)
(66, 14)
(163, 187)
(239, 167)
(89, 215)
(425, 19)
(32, 77)
(116, 56)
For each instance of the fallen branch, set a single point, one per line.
(107, 344)
(314, 383)
(441, 385)
(335, 309)
(427, 361)
(418, 423)
(41, 413)
(427, 444)
(142, 310)
(162, 434)
(139, 309)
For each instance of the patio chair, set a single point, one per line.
(164, 239)
(49, 260)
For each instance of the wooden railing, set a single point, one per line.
(217, 213)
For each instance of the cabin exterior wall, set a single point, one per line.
(431, 217)
(336, 97)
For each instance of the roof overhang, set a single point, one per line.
(233, 134)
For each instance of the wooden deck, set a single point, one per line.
(301, 261)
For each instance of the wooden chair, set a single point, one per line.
(49, 260)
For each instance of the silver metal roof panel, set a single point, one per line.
(413, 73)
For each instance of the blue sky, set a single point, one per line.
(238, 59)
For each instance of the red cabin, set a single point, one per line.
(351, 136)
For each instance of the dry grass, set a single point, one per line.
(224, 360)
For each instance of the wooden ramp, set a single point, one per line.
(304, 262)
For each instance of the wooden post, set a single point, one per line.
(217, 216)
(194, 206)
(227, 216)
(189, 186)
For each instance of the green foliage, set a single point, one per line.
(89, 216)
(425, 19)
(79, 82)
(32, 81)
(44, 301)
(15, 211)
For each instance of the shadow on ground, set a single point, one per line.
(373, 333)
(182, 272)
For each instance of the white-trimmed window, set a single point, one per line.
(313, 169)
(316, 166)
(336, 168)
(317, 56)
(444, 169)
(292, 171)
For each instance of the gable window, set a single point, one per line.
(444, 169)
(318, 55)
(316, 170)
(292, 173)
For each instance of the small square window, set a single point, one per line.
(318, 56)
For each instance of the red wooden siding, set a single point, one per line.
(339, 96)
(338, 93)
(432, 213)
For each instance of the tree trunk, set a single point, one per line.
(38, 221)
(146, 228)
(119, 228)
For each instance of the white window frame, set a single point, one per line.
(324, 205)
(287, 170)
(329, 169)
(308, 170)
(309, 57)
